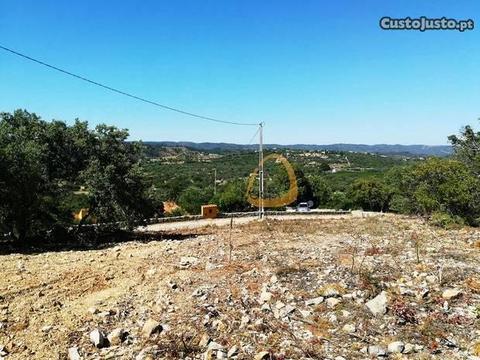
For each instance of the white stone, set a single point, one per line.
(204, 341)
(93, 310)
(187, 261)
(212, 345)
(262, 355)
(332, 302)
(233, 351)
(314, 301)
(151, 327)
(209, 266)
(116, 336)
(287, 310)
(376, 350)
(409, 348)
(378, 305)
(396, 347)
(305, 313)
(449, 294)
(245, 321)
(279, 305)
(73, 354)
(98, 339)
(349, 328)
(265, 297)
(47, 328)
(266, 308)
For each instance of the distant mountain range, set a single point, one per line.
(385, 149)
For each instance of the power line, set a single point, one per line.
(123, 92)
(254, 135)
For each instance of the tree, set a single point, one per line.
(370, 194)
(322, 191)
(117, 188)
(340, 201)
(324, 166)
(305, 192)
(438, 185)
(43, 162)
(467, 148)
(233, 197)
(28, 194)
(192, 198)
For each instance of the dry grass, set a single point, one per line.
(307, 256)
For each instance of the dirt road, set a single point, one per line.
(193, 224)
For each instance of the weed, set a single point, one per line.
(476, 311)
(473, 285)
(415, 238)
(176, 345)
(285, 271)
(404, 312)
(433, 327)
(368, 282)
(476, 349)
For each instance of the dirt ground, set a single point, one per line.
(314, 288)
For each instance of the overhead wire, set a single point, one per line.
(121, 92)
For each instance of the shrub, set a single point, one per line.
(232, 197)
(322, 192)
(176, 212)
(192, 199)
(446, 221)
(370, 194)
(340, 201)
(436, 185)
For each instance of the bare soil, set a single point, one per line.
(252, 287)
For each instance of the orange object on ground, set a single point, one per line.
(209, 211)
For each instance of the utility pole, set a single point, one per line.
(260, 173)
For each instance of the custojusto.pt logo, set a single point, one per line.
(424, 23)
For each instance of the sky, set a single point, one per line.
(316, 72)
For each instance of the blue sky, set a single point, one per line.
(314, 71)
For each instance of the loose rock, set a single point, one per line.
(332, 302)
(314, 301)
(116, 337)
(151, 327)
(98, 339)
(73, 354)
(262, 355)
(396, 347)
(378, 305)
(450, 294)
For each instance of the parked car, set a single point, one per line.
(303, 207)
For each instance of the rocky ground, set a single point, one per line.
(348, 288)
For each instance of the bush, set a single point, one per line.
(339, 201)
(232, 197)
(176, 212)
(436, 185)
(446, 221)
(192, 199)
(370, 194)
(399, 204)
(322, 192)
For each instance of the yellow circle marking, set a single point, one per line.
(283, 200)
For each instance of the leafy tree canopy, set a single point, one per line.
(43, 163)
